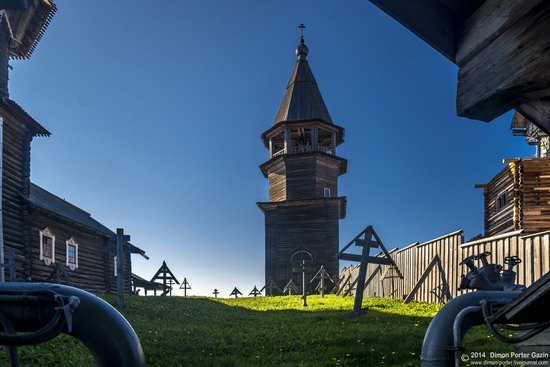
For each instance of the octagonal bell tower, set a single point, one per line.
(304, 208)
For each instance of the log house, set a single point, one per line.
(43, 229)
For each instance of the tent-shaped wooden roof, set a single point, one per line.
(302, 100)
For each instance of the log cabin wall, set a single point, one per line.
(500, 202)
(15, 185)
(302, 176)
(317, 234)
(524, 186)
(95, 271)
(535, 188)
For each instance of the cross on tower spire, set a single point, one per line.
(302, 26)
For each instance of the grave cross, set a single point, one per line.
(255, 292)
(322, 274)
(290, 287)
(370, 240)
(185, 286)
(216, 292)
(303, 268)
(270, 286)
(235, 292)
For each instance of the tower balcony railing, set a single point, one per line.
(303, 149)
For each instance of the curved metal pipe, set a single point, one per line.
(457, 329)
(103, 330)
(438, 348)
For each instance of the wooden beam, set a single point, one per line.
(487, 23)
(429, 19)
(511, 70)
(423, 277)
(537, 112)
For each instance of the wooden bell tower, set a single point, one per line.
(303, 212)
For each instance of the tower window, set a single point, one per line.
(326, 193)
(501, 201)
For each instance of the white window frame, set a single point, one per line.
(114, 258)
(71, 242)
(326, 192)
(47, 232)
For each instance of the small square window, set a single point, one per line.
(501, 201)
(72, 254)
(47, 246)
(326, 193)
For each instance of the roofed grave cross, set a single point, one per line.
(255, 292)
(290, 287)
(270, 286)
(216, 292)
(322, 274)
(235, 292)
(185, 286)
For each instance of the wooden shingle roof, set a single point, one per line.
(302, 100)
(29, 25)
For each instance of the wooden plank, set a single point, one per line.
(429, 20)
(511, 70)
(487, 23)
(421, 280)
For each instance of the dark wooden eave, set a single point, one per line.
(273, 205)
(437, 22)
(343, 163)
(9, 107)
(29, 25)
(502, 50)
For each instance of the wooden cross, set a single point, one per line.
(303, 268)
(290, 287)
(270, 286)
(185, 286)
(216, 292)
(370, 240)
(235, 292)
(322, 274)
(255, 292)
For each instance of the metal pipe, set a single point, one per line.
(438, 349)
(97, 324)
(457, 332)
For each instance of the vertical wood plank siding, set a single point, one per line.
(413, 260)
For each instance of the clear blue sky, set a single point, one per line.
(156, 111)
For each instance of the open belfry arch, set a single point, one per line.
(303, 212)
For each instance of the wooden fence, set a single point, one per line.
(413, 261)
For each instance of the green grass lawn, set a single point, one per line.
(264, 331)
